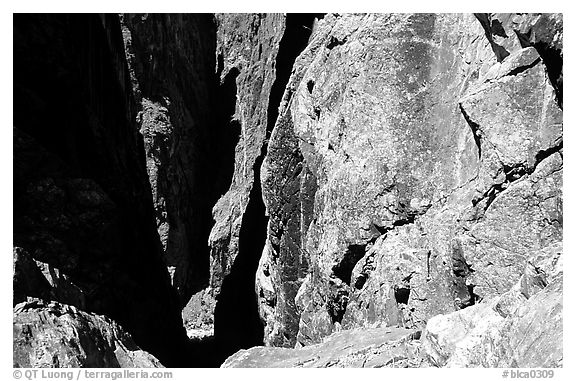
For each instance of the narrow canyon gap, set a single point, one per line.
(237, 321)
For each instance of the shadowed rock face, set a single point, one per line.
(211, 78)
(333, 184)
(82, 204)
(187, 139)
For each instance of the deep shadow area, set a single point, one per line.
(402, 294)
(553, 61)
(237, 323)
(343, 269)
(82, 199)
(73, 96)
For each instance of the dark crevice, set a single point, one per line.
(298, 30)
(490, 195)
(334, 42)
(489, 26)
(554, 67)
(514, 173)
(310, 86)
(380, 229)
(339, 288)
(475, 128)
(543, 154)
(317, 113)
(523, 68)
(474, 298)
(227, 135)
(215, 168)
(498, 29)
(237, 323)
(360, 281)
(464, 295)
(409, 219)
(552, 59)
(367, 267)
(511, 174)
(402, 294)
(237, 303)
(343, 270)
(428, 255)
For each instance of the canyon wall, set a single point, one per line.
(205, 84)
(360, 190)
(83, 212)
(420, 159)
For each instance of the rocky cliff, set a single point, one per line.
(363, 190)
(420, 170)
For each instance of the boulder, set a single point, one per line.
(55, 335)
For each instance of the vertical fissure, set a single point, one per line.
(475, 128)
(237, 324)
(299, 27)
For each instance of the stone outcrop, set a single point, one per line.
(357, 348)
(520, 328)
(421, 167)
(54, 335)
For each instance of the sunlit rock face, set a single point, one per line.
(421, 158)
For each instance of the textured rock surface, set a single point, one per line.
(508, 32)
(419, 171)
(82, 205)
(54, 335)
(366, 348)
(520, 328)
(333, 182)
